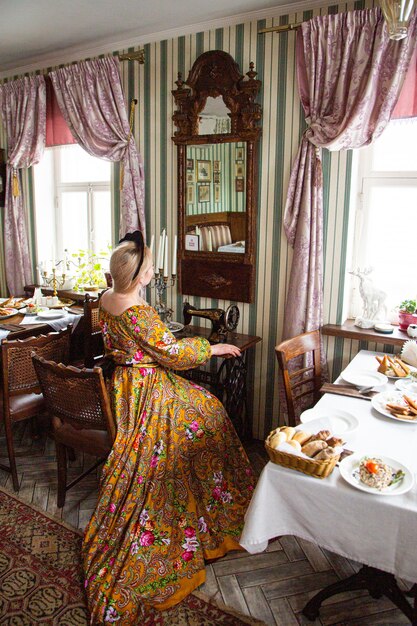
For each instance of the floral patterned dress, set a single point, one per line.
(176, 485)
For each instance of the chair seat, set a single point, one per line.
(95, 442)
(24, 406)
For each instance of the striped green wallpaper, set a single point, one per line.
(283, 124)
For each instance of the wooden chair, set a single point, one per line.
(93, 339)
(21, 394)
(300, 381)
(78, 404)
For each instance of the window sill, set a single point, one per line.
(348, 330)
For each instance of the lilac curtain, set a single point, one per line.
(23, 104)
(90, 97)
(350, 76)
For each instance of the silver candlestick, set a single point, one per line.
(161, 284)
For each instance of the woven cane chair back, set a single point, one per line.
(300, 382)
(78, 397)
(19, 376)
(93, 339)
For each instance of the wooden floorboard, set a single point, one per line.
(273, 586)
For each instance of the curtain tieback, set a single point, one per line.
(133, 103)
(15, 183)
(318, 174)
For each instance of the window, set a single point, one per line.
(72, 203)
(386, 217)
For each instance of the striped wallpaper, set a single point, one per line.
(283, 124)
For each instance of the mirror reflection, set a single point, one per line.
(215, 216)
(214, 119)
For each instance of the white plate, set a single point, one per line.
(12, 312)
(25, 311)
(380, 400)
(349, 471)
(364, 378)
(175, 327)
(340, 422)
(51, 315)
(409, 385)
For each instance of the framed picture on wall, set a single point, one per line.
(240, 184)
(216, 166)
(239, 169)
(216, 177)
(192, 242)
(190, 194)
(240, 154)
(216, 193)
(190, 177)
(190, 164)
(204, 193)
(203, 171)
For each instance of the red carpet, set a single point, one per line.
(41, 579)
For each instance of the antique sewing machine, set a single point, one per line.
(222, 321)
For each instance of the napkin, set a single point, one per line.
(409, 353)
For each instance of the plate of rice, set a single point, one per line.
(376, 474)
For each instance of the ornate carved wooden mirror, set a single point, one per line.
(217, 120)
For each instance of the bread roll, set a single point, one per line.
(289, 431)
(332, 442)
(327, 453)
(295, 444)
(312, 448)
(302, 436)
(277, 439)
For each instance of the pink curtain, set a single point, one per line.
(57, 131)
(407, 102)
(350, 75)
(91, 99)
(23, 104)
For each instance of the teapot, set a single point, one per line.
(412, 331)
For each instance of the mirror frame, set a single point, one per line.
(228, 276)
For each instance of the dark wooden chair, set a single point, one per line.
(77, 401)
(300, 381)
(21, 394)
(93, 339)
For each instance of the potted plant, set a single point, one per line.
(407, 313)
(90, 269)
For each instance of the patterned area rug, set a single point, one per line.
(41, 580)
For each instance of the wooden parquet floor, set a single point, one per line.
(272, 586)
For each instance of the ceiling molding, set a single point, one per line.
(77, 53)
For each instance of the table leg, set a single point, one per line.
(231, 384)
(375, 581)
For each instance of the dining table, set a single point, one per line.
(375, 528)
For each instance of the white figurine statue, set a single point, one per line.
(373, 299)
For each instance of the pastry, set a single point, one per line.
(302, 436)
(327, 453)
(313, 447)
(322, 434)
(332, 442)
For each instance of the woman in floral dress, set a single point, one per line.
(176, 485)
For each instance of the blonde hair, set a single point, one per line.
(123, 264)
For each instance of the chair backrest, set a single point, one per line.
(18, 374)
(93, 339)
(300, 380)
(76, 396)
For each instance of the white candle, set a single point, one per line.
(166, 257)
(161, 260)
(151, 246)
(158, 262)
(174, 256)
(210, 242)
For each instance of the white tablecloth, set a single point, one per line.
(55, 324)
(377, 530)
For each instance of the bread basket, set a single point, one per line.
(318, 469)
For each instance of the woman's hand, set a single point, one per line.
(224, 349)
